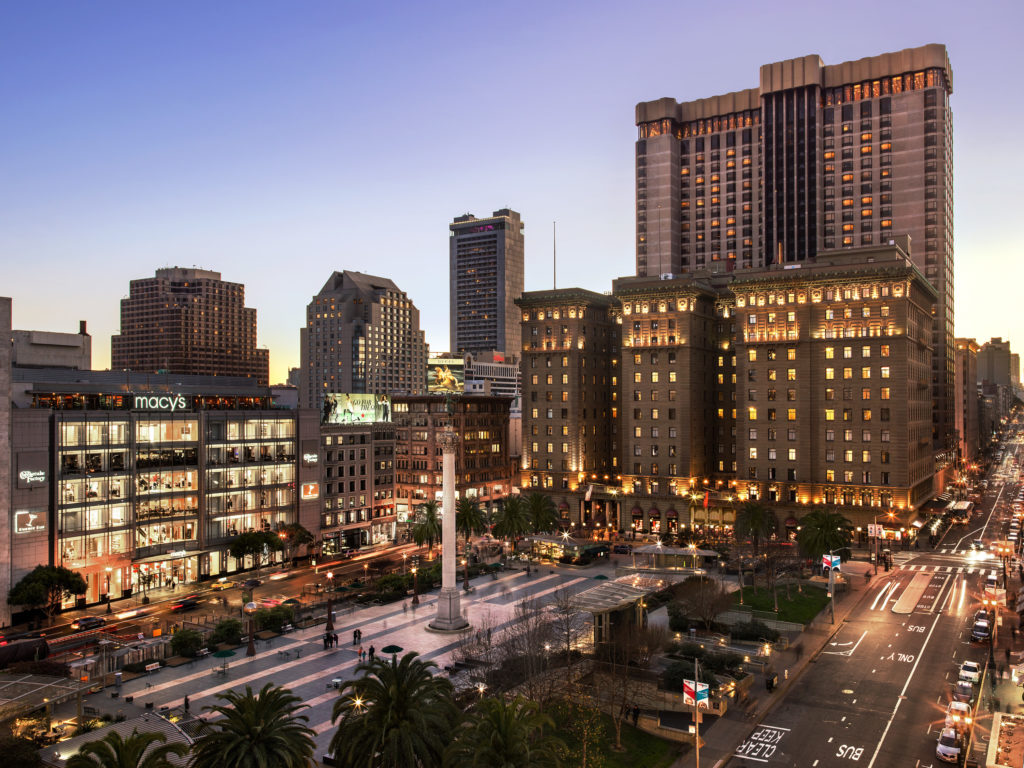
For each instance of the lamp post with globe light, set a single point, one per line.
(250, 611)
(330, 601)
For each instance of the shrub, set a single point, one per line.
(394, 582)
(186, 642)
(678, 671)
(755, 630)
(274, 618)
(228, 631)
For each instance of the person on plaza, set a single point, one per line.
(186, 704)
(326, 640)
(355, 637)
(360, 654)
(334, 639)
(636, 715)
(372, 651)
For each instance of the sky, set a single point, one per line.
(277, 142)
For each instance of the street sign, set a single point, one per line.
(875, 531)
(830, 561)
(703, 693)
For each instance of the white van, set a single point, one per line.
(992, 580)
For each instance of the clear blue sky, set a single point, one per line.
(277, 142)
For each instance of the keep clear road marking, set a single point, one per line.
(906, 685)
(762, 744)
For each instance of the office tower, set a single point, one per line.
(188, 321)
(994, 363)
(967, 423)
(362, 335)
(485, 279)
(816, 157)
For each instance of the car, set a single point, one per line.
(346, 552)
(622, 549)
(251, 584)
(220, 584)
(963, 691)
(947, 749)
(978, 545)
(981, 615)
(958, 715)
(88, 622)
(186, 603)
(981, 631)
(970, 671)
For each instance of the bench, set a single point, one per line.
(202, 652)
(152, 667)
(220, 672)
(287, 628)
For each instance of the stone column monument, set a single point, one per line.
(449, 615)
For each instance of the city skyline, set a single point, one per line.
(144, 139)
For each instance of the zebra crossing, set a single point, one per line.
(968, 569)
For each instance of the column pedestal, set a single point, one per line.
(449, 612)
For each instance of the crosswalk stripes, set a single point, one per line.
(942, 568)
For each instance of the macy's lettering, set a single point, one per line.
(160, 402)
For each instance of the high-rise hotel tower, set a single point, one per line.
(814, 158)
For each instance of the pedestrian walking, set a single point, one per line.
(405, 607)
(636, 715)
(372, 652)
(186, 704)
(355, 637)
(360, 633)
(360, 654)
(334, 639)
(488, 635)
(325, 641)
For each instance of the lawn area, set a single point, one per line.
(640, 750)
(801, 609)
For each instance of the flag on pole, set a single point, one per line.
(700, 691)
(830, 561)
(590, 492)
(707, 497)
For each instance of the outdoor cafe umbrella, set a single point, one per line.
(394, 650)
(223, 654)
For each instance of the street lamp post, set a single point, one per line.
(330, 601)
(250, 611)
(405, 558)
(832, 584)
(415, 586)
(890, 514)
(109, 569)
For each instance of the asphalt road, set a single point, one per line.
(876, 696)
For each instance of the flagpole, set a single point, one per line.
(696, 713)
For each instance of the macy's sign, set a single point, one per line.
(170, 403)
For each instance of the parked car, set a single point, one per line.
(948, 747)
(958, 715)
(186, 603)
(970, 671)
(981, 631)
(88, 622)
(963, 691)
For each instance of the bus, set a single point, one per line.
(961, 511)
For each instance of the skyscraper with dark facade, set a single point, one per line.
(816, 157)
(188, 321)
(485, 279)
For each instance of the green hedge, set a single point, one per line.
(186, 642)
(274, 618)
(228, 631)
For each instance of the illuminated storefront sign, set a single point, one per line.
(26, 521)
(170, 403)
(30, 476)
(348, 408)
(310, 459)
(310, 491)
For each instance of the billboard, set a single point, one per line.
(347, 408)
(446, 374)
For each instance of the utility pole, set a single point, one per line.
(696, 711)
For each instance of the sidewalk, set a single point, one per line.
(728, 732)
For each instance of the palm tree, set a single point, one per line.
(427, 528)
(822, 531)
(513, 521)
(510, 734)
(139, 750)
(756, 522)
(397, 714)
(469, 521)
(255, 730)
(542, 512)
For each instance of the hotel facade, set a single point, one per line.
(673, 400)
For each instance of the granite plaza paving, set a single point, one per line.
(299, 662)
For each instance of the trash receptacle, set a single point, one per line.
(771, 682)
(117, 679)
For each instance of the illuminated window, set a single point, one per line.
(791, 414)
(848, 202)
(830, 353)
(847, 373)
(865, 393)
(752, 355)
(865, 150)
(865, 372)
(886, 224)
(884, 350)
(865, 212)
(830, 414)
(752, 453)
(792, 454)
(830, 373)
(752, 413)
(885, 371)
